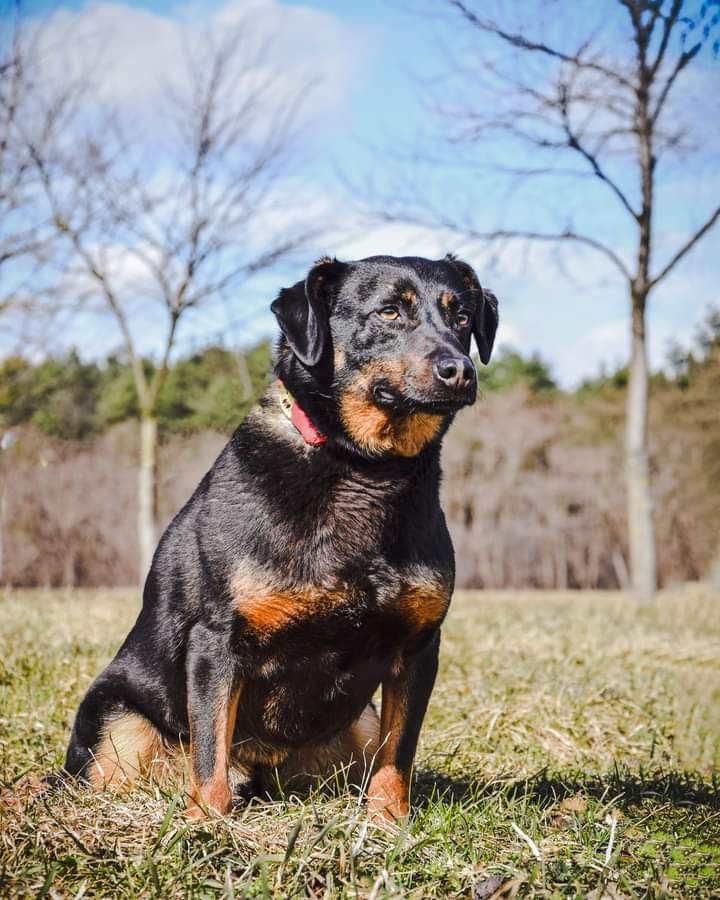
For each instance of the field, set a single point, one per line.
(572, 749)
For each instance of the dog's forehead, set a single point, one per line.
(380, 274)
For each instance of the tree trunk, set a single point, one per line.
(245, 377)
(147, 493)
(714, 573)
(3, 515)
(641, 533)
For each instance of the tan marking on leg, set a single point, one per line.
(215, 795)
(365, 734)
(130, 748)
(423, 605)
(388, 794)
(389, 789)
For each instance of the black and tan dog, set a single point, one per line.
(313, 563)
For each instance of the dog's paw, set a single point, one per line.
(194, 812)
(388, 797)
(387, 813)
(209, 802)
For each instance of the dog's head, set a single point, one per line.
(377, 350)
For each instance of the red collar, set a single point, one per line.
(300, 419)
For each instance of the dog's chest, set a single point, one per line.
(400, 602)
(318, 650)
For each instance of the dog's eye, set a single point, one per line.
(389, 313)
(463, 319)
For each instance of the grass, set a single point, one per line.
(571, 749)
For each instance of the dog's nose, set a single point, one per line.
(457, 372)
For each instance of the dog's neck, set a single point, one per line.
(300, 420)
(310, 391)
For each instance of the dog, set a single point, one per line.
(313, 564)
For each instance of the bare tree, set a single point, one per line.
(153, 244)
(25, 241)
(16, 238)
(590, 106)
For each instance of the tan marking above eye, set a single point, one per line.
(447, 298)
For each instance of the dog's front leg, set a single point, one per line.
(213, 692)
(405, 695)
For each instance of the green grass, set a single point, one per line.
(572, 749)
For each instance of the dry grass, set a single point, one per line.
(571, 749)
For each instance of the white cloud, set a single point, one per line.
(134, 54)
(392, 240)
(603, 347)
(575, 316)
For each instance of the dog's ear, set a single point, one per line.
(485, 324)
(302, 311)
(485, 321)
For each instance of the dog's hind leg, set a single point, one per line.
(111, 744)
(87, 730)
(130, 748)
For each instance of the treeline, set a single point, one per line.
(67, 398)
(214, 389)
(533, 484)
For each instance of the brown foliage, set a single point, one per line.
(71, 509)
(527, 507)
(533, 492)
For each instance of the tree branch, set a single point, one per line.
(669, 22)
(160, 376)
(522, 43)
(574, 143)
(500, 234)
(682, 62)
(95, 272)
(701, 232)
(566, 235)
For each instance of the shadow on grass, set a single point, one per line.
(622, 787)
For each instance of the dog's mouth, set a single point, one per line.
(390, 398)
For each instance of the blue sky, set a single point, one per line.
(380, 65)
